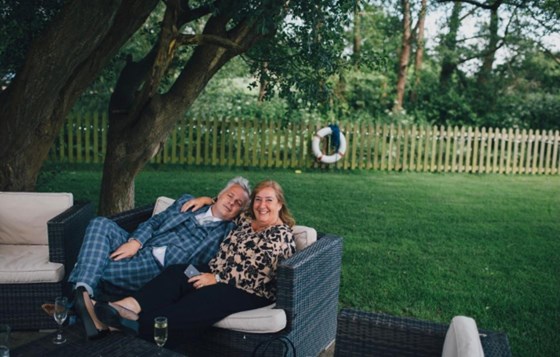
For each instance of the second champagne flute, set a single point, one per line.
(160, 330)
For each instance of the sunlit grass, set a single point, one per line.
(430, 246)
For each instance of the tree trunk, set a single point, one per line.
(357, 35)
(263, 83)
(419, 51)
(449, 61)
(60, 65)
(404, 57)
(490, 53)
(138, 131)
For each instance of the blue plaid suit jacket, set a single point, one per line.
(186, 241)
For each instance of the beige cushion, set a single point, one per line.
(304, 236)
(24, 215)
(462, 339)
(263, 320)
(161, 205)
(21, 264)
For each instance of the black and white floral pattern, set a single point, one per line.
(248, 259)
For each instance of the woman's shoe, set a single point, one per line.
(80, 306)
(110, 316)
(124, 312)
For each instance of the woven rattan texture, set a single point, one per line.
(115, 344)
(361, 333)
(20, 305)
(308, 285)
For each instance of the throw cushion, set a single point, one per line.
(304, 236)
(161, 205)
(462, 339)
(24, 215)
(263, 320)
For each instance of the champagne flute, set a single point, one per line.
(60, 314)
(160, 331)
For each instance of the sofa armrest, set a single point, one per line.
(130, 219)
(66, 234)
(495, 344)
(308, 284)
(361, 332)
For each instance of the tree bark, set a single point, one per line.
(490, 53)
(450, 57)
(137, 132)
(263, 84)
(404, 57)
(419, 51)
(59, 66)
(357, 35)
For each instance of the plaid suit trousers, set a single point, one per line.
(186, 241)
(103, 236)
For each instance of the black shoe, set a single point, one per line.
(111, 317)
(92, 333)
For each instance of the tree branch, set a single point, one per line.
(187, 14)
(481, 54)
(549, 53)
(496, 4)
(206, 39)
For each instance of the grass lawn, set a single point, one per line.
(430, 246)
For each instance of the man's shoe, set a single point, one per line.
(110, 316)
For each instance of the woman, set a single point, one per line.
(240, 277)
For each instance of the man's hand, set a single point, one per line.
(127, 250)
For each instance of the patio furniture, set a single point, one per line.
(38, 248)
(114, 344)
(306, 306)
(361, 333)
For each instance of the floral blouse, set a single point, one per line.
(248, 259)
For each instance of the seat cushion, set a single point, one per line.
(24, 215)
(462, 339)
(263, 320)
(20, 264)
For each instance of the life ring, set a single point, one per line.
(327, 159)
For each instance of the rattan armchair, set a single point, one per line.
(20, 305)
(361, 333)
(308, 285)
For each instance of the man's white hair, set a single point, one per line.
(243, 183)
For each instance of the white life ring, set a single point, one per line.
(327, 159)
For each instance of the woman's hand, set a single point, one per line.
(196, 203)
(202, 280)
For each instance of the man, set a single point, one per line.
(129, 260)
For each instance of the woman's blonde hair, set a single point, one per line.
(285, 214)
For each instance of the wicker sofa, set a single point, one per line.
(361, 333)
(40, 236)
(308, 285)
